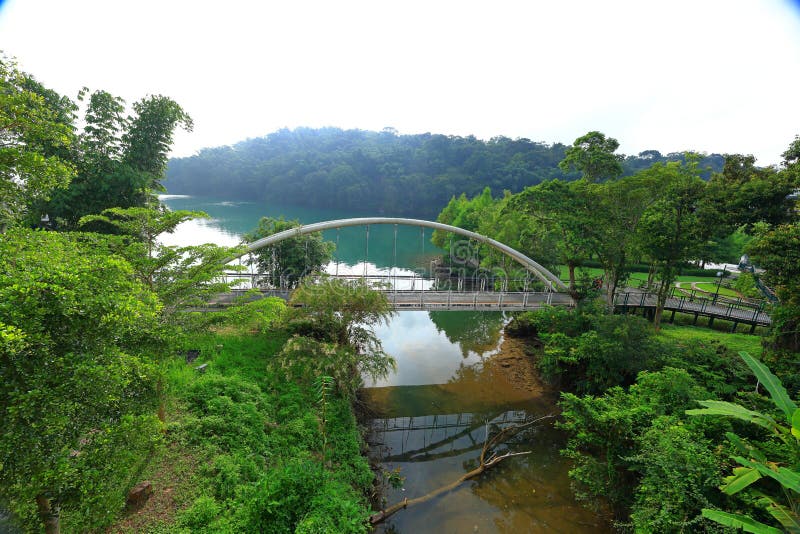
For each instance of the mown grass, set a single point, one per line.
(594, 272)
(712, 288)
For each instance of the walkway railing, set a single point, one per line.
(742, 310)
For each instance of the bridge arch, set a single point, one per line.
(549, 279)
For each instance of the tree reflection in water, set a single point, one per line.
(472, 331)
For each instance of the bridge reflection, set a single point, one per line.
(431, 437)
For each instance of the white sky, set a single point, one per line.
(713, 75)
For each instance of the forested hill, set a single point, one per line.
(375, 172)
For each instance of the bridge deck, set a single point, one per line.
(442, 300)
(739, 311)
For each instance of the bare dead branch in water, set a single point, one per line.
(488, 458)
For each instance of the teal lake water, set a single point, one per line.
(229, 220)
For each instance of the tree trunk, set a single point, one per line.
(49, 514)
(611, 289)
(572, 291)
(657, 317)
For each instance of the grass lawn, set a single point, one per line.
(690, 335)
(712, 288)
(594, 272)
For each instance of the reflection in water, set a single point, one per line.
(473, 331)
(433, 431)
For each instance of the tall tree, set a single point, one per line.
(33, 129)
(618, 209)
(671, 230)
(288, 261)
(564, 210)
(122, 159)
(593, 155)
(180, 276)
(147, 141)
(746, 194)
(777, 251)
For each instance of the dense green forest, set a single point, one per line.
(378, 172)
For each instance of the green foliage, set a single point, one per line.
(781, 504)
(745, 284)
(632, 449)
(148, 138)
(37, 135)
(745, 194)
(671, 229)
(375, 172)
(281, 456)
(777, 250)
(254, 316)
(678, 471)
(181, 276)
(632, 445)
(288, 261)
(333, 510)
(729, 248)
(120, 160)
(607, 350)
(593, 155)
(77, 375)
(561, 211)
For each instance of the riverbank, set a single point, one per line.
(245, 450)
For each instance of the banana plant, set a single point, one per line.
(753, 464)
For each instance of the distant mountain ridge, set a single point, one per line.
(376, 172)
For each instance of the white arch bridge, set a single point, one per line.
(488, 292)
(482, 291)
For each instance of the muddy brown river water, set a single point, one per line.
(456, 373)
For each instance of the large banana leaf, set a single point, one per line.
(773, 384)
(784, 514)
(739, 521)
(742, 477)
(730, 409)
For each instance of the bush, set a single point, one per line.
(281, 498)
(334, 511)
(627, 445)
(745, 284)
(611, 351)
(680, 477)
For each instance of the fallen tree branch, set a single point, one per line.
(487, 459)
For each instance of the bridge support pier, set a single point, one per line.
(672, 317)
(735, 324)
(753, 328)
(710, 321)
(695, 319)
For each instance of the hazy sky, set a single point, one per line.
(715, 76)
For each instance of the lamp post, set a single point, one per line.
(719, 283)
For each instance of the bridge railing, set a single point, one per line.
(745, 310)
(396, 282)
